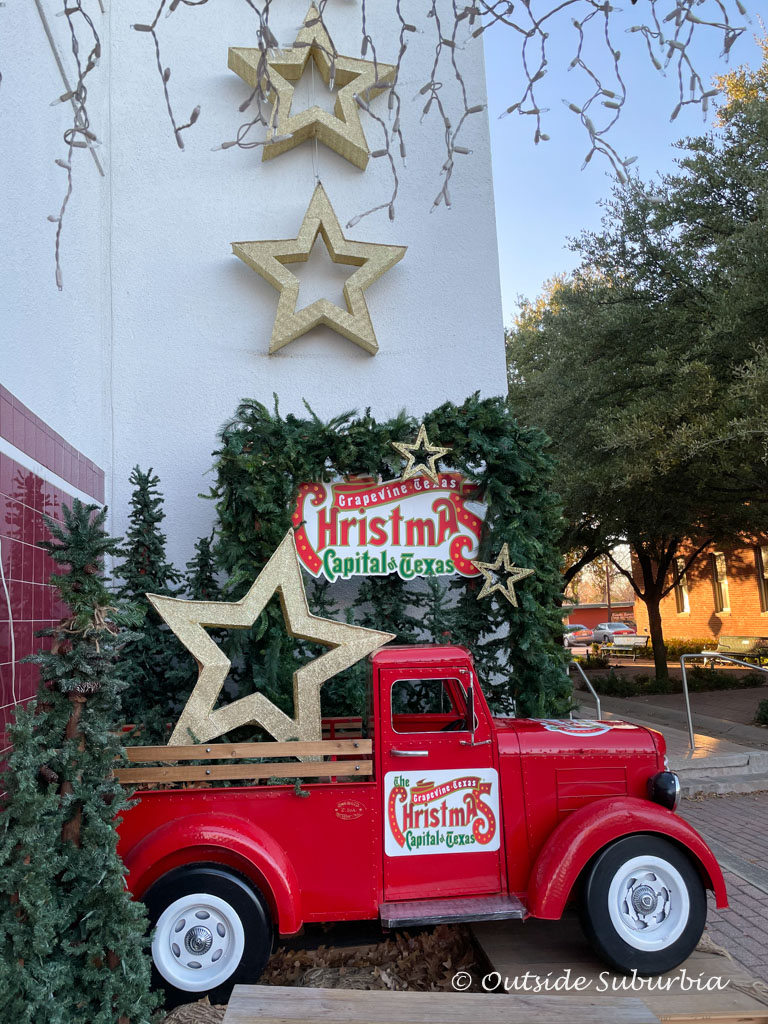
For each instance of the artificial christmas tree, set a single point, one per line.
(200, 576)
(151, 668)
(71, 938)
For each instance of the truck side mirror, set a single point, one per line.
(471, 709)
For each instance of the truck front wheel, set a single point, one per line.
(643, 905)
(212, 930)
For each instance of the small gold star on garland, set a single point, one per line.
(341, 130)
(199, 722)
(492, 571)
(425, 464)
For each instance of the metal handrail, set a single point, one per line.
(707, 656)
(590, 687)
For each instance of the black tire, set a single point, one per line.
(238, 908)
(611, 928)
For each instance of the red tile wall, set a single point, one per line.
(27, 600)
(30, 602)
(31, 435)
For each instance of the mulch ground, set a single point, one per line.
(415, 961)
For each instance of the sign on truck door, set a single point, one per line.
(442, 831)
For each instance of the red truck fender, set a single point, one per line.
(223, 839)
(586, 831)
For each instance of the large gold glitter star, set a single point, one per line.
(428, 455)
(372, 260)
(493, 570)
(282, 575)
(340, 131)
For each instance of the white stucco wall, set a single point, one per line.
(53, 345)
(160, 330)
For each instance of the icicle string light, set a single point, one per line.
(667, 34)
(79, 134)
(667, 31)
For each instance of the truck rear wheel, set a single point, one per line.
(643, 905)
(212, 930)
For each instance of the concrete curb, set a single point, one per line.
(711, 786)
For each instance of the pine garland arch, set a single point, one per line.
(264, 457)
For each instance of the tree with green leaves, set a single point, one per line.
(151, 668)
(636, 365)
(72, 941)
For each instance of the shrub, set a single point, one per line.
(761, 715)
(699, 681)
(676, 648)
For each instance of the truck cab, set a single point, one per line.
(462, 816)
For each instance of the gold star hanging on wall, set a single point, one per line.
(372, 260)
(282, 575)
(492, 571)
(341, 131)
(421, 456)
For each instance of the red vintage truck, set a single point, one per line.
(442, 812)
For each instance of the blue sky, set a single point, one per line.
(542, 196)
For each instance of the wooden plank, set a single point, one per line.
(551, 948)
(199, 773)
(230, 751)
(267, 1004)
(715, 1018)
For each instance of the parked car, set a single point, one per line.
(604, 632)
(579, 637)
(571, 627)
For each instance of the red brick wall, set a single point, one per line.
(744, 618)
(38, 471)
(590, 617)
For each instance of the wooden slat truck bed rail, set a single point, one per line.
(170, 771)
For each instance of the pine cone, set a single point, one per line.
(48, 775)
(87, 688)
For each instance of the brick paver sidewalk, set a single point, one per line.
(739, 822)
(733, 705)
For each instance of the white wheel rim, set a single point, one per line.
(199, 942)
(648, 903)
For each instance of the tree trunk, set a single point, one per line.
(652, 603)
(609, 612)
(70, 830)
(653, 588)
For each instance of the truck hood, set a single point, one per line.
(575, 736)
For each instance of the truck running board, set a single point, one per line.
(473, 908)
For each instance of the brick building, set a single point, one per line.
(590, 615)
(725, 591)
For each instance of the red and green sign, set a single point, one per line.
(413, 527)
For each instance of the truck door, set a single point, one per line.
(440, 791)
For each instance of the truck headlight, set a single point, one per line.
(664, 789)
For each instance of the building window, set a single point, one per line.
(761, 564)
(720, 582)
(681, 589)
